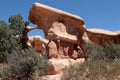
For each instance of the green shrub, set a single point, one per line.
(88, 70)
(8, 33)
(94, 51)
(98, 70)
(93, 70)
(97, 67)
(112, 51)
(7, 43)
(6, 72)
(23, 64)
(76, 72)
(113, 70)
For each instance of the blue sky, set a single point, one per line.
(104, 14)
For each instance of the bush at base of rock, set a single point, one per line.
(103, 64)
(23, 65)
(112, 51)
(93, 51)
(93, 70)
(109, 52)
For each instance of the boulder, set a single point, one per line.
(51, 77)
(59, 65)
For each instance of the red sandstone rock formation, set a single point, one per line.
(37, 42)
(66, 32)
(63, 30)
(101, 36)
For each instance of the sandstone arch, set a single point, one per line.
(64, 31)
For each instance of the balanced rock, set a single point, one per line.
(66, 32)
(63, 30)
(47, 17)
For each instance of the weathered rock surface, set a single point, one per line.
(58, 65)
(64, 49)
(55, 70)
(37, 42)
(66, 32)
(56, 22)
(63, 29)
(101, 36)
(44, 16)
(52, 77)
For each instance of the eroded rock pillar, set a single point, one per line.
(63, 49)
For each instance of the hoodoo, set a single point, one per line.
(63, 30)
(66, 32)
